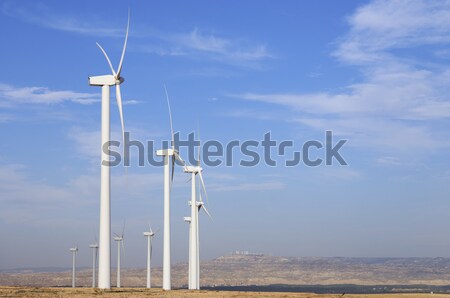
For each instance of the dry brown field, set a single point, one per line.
(35, 292)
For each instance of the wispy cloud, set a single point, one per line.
(130, 102)
(197, 44)
(12, 95)
(209, 43)
(384, 25)
(400, 101)
(257, 186)
(6, 117)
(341, 173)
(40, 14)
(191, 44)
(25, 198)
(389, 161)
(87, 141)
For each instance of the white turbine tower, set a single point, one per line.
(74, 251)
(194, 249)
(105, 81)
(94, 261)
(149, 236)
(119, 240)
(173, 153)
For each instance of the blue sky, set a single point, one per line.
(374, 72)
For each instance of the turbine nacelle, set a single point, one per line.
(118, 238)
(148, 234)
(192, 169)
(106, 80)
(168, 152)
(75, 249)
(187, 219)
(93, 246)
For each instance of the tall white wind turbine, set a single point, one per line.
(94, 261)
(105, 81)
(74, 251)
(149, 236)
(194, 249)
(173, 154)
(119, 240)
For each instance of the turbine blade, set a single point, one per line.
(203, 185)
(199, 145)
(119, 105)
(178, 157)
(206, 211)
(173, 169)
(123, 229)
(119, 69)
(170, 116)
(107, 58)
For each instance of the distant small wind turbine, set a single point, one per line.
(119, 240)
(149, 236)
(173, 153)
(94, 261)
(194, 248)
(106, 81)
(74, 251)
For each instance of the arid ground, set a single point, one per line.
(245, 270)
(31, 292)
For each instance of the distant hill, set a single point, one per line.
(245, 269)
(38, 270)
(252, 269)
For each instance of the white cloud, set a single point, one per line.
(6, 117)
(26, 198)
(208, 43)
(131, 102)
(389, 161)
(344, 173)
(42, 16)
(382, 25)
(190, 44)
(87, 143)
(228, 49)
(400, 100)
(256, 186)
(12, 95)
(197, 44)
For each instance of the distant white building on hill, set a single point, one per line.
(246, 253)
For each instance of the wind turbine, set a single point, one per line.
(105, 81)
(173, 154)
(194, 248)
(94, 261)
(149, 236)
(74, 251)
(119, 240)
